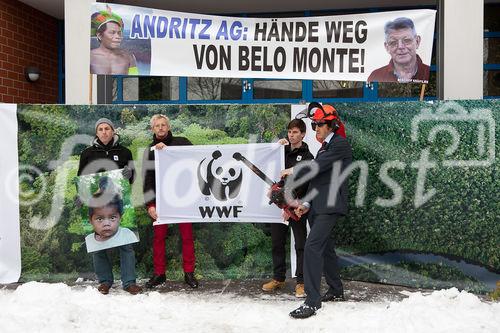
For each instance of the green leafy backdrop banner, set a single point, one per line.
(419, 215)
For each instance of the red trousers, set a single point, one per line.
(159, 237)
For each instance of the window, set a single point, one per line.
(491, 51)
(337, 89)
(144, 88)
(270, 89)
(491, 86)
(210, 88)
(491, 15)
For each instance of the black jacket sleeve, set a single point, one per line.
(84, 157)
(336, 151)
(301, 191)
(149, 188)
(130, 164)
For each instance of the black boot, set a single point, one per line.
(190, 279)
(155, 280)
(331, 296)
(304, 311)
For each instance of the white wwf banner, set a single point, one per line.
(10, 241)
(145, 41)
(226, 183)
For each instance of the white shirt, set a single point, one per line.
(122, 237)
(327, 140)
(329, 137)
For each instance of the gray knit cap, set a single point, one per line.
(104, 121)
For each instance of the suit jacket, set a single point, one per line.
(332, 196)
(295, 157)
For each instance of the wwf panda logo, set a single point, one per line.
(220, 178)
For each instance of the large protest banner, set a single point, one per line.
(226, 183)
(344, 47)
(10, 247)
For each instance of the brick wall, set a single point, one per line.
(28, 37)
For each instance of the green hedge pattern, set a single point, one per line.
(460, 220)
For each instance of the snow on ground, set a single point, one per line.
(42, 307)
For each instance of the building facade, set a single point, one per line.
(465, 62)
(28, 40)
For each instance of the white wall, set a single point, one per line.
(461, 47)
(10, 239)
(77, 56)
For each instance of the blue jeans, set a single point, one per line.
(104, 269)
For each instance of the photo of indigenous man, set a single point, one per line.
(401, 42)
(109, 57)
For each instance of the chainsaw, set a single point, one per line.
(277, 188)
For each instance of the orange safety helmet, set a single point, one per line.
(323, 112)
(318, 112)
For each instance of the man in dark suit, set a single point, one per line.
(325, 208)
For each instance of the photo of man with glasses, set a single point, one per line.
(401, 42)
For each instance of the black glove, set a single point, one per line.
(127, 172)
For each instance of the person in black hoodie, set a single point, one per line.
(295, 151)
(106, 154)
(162, 138)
